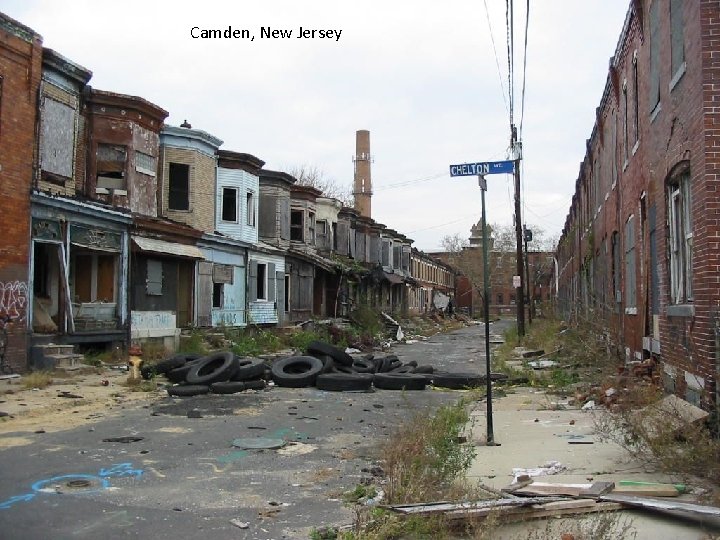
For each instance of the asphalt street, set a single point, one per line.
(174, 472)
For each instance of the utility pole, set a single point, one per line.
(519, 291)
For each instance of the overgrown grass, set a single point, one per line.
(37, 379)
(253, 341)
(193, 344)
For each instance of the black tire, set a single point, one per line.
(403, 369)
(400, 381)
(458, 381)
(327, 360)
(387, 363)
(217, 367)
(338, 355)
(162, 367)
(228, 387)
(363, 365)
(296, 371)
(257, 384)
(424, 369)
(179, 375)
(188, 390)
(344, 382)
(249, 369)
(498, 376)
(349, 370)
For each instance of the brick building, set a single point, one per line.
(639, 250)
(20, 74)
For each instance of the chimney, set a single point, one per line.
(363, 183)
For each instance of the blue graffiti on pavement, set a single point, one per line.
(92, 483)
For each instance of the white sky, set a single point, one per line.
(421, 76)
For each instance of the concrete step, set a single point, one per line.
(54, 348)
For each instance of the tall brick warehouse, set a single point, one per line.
(640, 251)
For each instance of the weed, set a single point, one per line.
(140, 385)
(153, 350)
(600, 526)
(424, 458)
(254, 342)
(193, 344)
(361, 492)
(37, 379)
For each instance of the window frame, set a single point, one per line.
(296, 228)
(261, 282)
(171, 179)
(237, 209)
(680, 238)
(250, 214)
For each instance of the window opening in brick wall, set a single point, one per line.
(626, 144)
(630, 271)
(111, 166)
(677, 38)
(296, 225)
(179, 186)
(615, 269)
(230, 204)
(655, 40)
(145, 163)
(636, 102)
(681, 238)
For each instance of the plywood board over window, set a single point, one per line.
(57, 138)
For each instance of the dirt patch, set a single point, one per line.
(65, 404)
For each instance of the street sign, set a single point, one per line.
(516, 282)
(484, 167)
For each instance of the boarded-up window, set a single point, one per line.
(145, 163)
(296, 225)
(655, 40)
(57, 138)
(385, 256)
(179, 187)
(677, 39)
(311, 228)
(223, 273)
(406, 258)
(397, 256)
(111, 166)
(268, 215)
(321, 232)
(153, 283)
(230, 204)
(284, 219)
(630, 277)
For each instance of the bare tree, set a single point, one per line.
(310, 175)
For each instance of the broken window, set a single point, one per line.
(311, 228)
(179, 187)
(261, 281)
(218, 290)
(500, 299)
(229, 204)
(681, 239)
(385, 256)
(296, 225)
(153, 282)
(145, 163)
(287, 293)
(111, 167)
(250, 208)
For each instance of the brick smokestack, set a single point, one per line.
(363, 183)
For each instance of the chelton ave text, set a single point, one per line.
(266, 32)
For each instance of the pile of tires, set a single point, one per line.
(218, 373)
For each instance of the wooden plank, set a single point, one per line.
(709, 515)
(540, 489)
(660, 490)
(597, 489)
(510, 514)
(444, 507)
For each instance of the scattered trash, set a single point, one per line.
(66, 394)
(259, 443)
(551, 467)
(376, 499)
(240, 524)
(126, 439)
(589, 405)
(542, 364)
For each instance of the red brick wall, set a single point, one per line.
(20, 69)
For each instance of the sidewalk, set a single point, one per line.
(531, 434)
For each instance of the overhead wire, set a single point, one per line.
(497, 61)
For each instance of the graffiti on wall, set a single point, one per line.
(14, 299)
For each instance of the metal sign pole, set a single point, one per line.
(486, 308)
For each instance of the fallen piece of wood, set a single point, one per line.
(706, 515)
(425, 509)
(597, 489)
(535, 511)
(522, 481)
(539, 489)
(657, 490)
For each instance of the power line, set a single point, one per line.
(497, 62)
(522, 99)
(508, 31)
(443, 224)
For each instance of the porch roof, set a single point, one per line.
(153, 245)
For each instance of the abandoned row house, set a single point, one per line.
(119, 228)
(639, 254)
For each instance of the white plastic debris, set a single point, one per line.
(589, 405)
(551, 467)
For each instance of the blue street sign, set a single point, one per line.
(487, 167)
